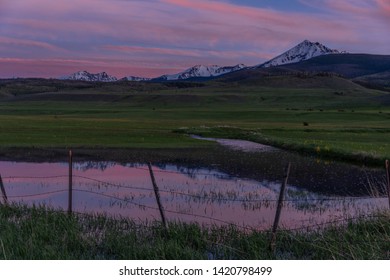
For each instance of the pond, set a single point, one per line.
(229, 187)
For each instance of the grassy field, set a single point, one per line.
(39, 233)
(335, 118)
(327, 116)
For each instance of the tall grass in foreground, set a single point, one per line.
(41, 233)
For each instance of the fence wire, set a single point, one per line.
(199, 197)
(36, 177)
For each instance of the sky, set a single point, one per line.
(47, 38)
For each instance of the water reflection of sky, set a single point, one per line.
(203, 195)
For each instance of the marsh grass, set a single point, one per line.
(41, 233)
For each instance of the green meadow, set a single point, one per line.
(328, 116)
(40, 233)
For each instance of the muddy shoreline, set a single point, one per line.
(120, 155)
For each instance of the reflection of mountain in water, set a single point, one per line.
(193, 173)
(308, 173)
(98, 165)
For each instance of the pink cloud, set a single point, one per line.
(150, 50)
(182, 52)
(384, 9)
(28, 43)
(261, 16)
(267, 28)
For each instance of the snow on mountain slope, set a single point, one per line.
(202, 71)
(300, 52)
(86, 76)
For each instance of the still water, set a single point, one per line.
(317, 192)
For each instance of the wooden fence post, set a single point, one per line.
(70, 195)
(388, 179)
(279, 209)
(5, 198)
(156, 192)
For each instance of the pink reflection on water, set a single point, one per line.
(189, 195)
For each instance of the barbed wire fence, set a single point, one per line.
(281, 201)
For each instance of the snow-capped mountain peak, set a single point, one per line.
(86, 76)
(303, 51)
(203, 71)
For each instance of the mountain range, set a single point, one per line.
(198, 71)
(86, 76)
(202, 71)
(306, 56)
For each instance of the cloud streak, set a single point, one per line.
(12, 42)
